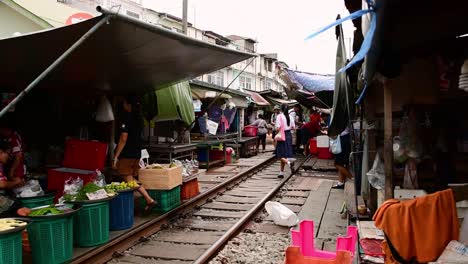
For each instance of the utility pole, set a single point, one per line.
(184, 16)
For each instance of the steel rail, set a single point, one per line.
(237, 227)
(130, 238)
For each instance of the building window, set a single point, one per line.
(133, 14)
(268, 85)
(216, 78)
(245, 82)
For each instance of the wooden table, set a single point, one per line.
(165, 152)
(205, 146)
(245, 146)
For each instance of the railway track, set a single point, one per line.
(197, 230)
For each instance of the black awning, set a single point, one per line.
(123, 56)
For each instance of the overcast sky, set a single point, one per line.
(279, 26)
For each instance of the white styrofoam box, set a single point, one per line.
(323, 142)
(407, 194)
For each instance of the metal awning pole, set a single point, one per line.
(53, 65)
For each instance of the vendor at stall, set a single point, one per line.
(128, 152)
(7, 204)
(15, 167)
(311, 129)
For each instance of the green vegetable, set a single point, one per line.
(45, 211)
(88, 188)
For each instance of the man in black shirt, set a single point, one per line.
(128, 152)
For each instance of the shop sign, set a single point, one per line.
(77, 17)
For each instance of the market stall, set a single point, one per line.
(167, 127)
(410, 99)
(218, 121)
(55, 97)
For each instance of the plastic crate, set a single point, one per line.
(121, 211)
(11, 248)
(201, 155)
(91, 224)
(51, 240)
(166, 200)
(250, 131)
(189, 189)
(37, 201)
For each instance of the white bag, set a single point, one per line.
(144, 156)
(104, 111)
(335, 145)
(32, 188)
(281, 215)
(376, 175)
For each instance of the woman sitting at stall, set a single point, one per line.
(262, 132)
(284, 149)
(8, 205)
(128, 152)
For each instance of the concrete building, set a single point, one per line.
(15, 20)
(258, 75)
(54, 12)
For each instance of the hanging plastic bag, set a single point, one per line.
(376, 175)
(281, 215)
(144, 156)
(335, 145)
(104, 111)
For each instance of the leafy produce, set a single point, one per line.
(50, 210)
(88, 188)
(7, 224)
(116, 186)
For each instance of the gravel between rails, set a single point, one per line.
(259, 248)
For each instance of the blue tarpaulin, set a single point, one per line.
(312, 82)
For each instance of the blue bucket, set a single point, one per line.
(121, 211)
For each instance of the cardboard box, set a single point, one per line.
(161, 179)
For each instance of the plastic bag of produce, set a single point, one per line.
(31, 188)
(281, 215)
(100, 179)
(71, 189)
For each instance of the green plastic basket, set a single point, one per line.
(11, 248)
(37, 201)
(166, 200)
(51, 240)
(92, 224)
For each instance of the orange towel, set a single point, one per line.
(420, 228)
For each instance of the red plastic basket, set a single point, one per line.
(250, 131)
(189, 189)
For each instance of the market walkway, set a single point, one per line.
(207, 180)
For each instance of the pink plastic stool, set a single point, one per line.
(304, 238)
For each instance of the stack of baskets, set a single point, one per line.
(163, 185)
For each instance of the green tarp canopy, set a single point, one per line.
(174, 102)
